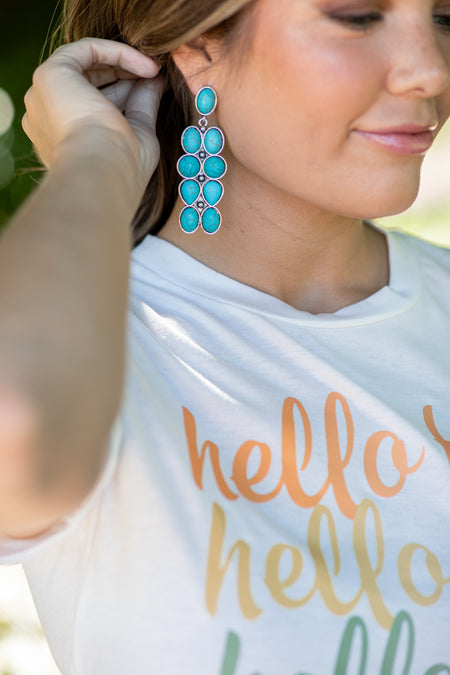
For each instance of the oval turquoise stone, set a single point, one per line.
(206, 100)
(211, 220)
(214, 141)
(191, 140)
(212, 192)
(189, 219)
(189, 191)
(215, 167)
(188, 166)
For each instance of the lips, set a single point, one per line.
(407, 139)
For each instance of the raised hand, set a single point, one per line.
(99, 85)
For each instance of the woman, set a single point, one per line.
(262, 484)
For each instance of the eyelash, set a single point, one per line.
(358, 21)
(443, 21)
(365, 21)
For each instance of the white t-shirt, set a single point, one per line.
(277, 495)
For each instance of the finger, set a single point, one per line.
(119, 92)
(25, 124)
(27, 97)
(144, 99)
(104, 75)
(88, 52)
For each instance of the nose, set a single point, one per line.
(420, 60)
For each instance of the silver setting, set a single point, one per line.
(220, 223)
(197, 97)
(221, 136)
(199, 196)
(184, 134)
(195, 228)
(210, 177)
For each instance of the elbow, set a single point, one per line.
(28, 507)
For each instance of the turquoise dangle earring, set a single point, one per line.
(201, 168)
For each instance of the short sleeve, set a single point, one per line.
(14, 551)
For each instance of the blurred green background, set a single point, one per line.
(24, 25)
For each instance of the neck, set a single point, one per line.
(314, 260)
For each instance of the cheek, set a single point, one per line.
(313, 85)
(332, 85)
(298, 105)
(443, 107)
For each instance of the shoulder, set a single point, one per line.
(432, 257)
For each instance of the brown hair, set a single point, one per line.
(156, 27)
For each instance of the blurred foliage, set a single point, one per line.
(6, 628)
(24, 28)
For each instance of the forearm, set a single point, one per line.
(63, 290)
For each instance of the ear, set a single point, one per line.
(196, 61)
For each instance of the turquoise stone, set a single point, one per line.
(214, 167)
(212, 192)
(189, 191)
(211, 220)
(191, 140)
(188, 166)
(206, 100)
(189, 219)
(214, 141)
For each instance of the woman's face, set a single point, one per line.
(337, 101)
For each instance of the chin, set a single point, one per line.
(395, 206)
(387, 191)
(383, 202)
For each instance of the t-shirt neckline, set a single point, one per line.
(167, 261)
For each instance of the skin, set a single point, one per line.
(301, 179)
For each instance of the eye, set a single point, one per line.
(357, 21)
(442, 21)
